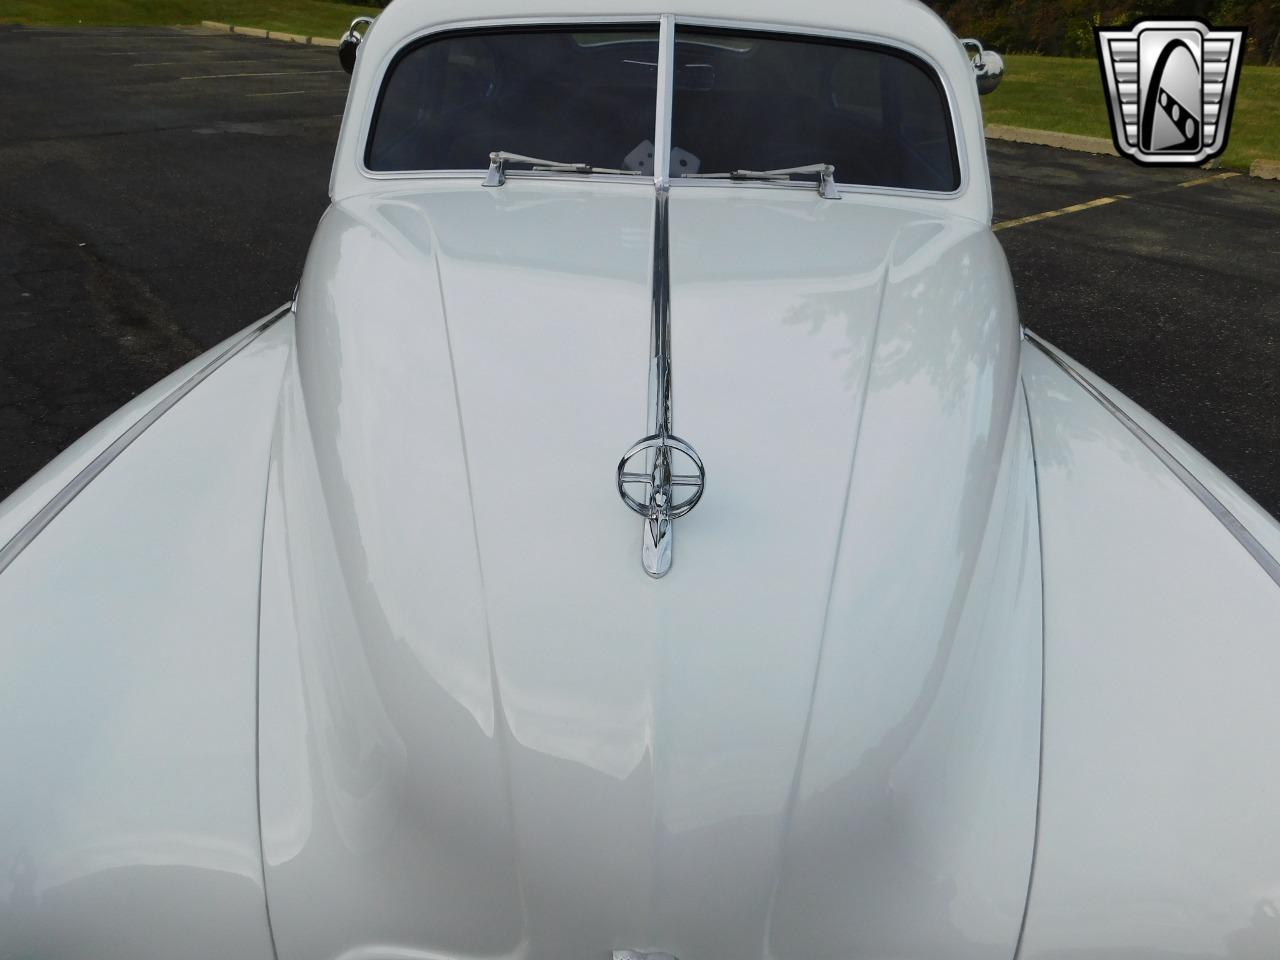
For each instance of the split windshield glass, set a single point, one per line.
(583, 95)
(764, 101)
(742, 101)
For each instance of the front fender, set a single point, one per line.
(1162, 647)
(128, 631)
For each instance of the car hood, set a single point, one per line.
(486, 732)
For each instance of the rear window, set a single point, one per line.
(572, 95)
(752, 101)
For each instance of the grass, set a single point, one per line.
(1047, 93)
(1063, 94)
(318, 18)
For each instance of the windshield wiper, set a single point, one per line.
(499, 159)
(826, 176)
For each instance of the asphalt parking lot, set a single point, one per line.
(1172, 293)
(158, 189)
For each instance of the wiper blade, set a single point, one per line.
(499, 159)
(826, 176)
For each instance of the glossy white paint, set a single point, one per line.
(1157, 830)
(128, 821)
(483, 731)
(28, 500)
(904, 23)
(487, 732)
(1260, 524)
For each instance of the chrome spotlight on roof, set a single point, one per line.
(988, 66)
(350, 42)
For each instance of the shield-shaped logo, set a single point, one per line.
(1170, 87)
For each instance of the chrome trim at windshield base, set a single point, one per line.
(32, 528)
(1269, 564)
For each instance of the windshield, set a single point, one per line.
(744, 102)
(753, 101)
(570, 95)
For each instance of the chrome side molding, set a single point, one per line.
(658, 504)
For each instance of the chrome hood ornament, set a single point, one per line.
(660, 507)
(656, 485)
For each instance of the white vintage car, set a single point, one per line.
(668, 546)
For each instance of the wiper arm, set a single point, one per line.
(499, 159)
(826, 176)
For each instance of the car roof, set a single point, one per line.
(905, 19)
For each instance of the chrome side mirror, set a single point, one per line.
(988, 66)
(350, 43)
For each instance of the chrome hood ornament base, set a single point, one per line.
(660, 505)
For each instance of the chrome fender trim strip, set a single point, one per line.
(1269, 564)
(31, 529)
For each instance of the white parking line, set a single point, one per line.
(279, 93)
(278, 73)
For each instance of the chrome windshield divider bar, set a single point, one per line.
(665, 94)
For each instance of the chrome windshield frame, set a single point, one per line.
(668, 25)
